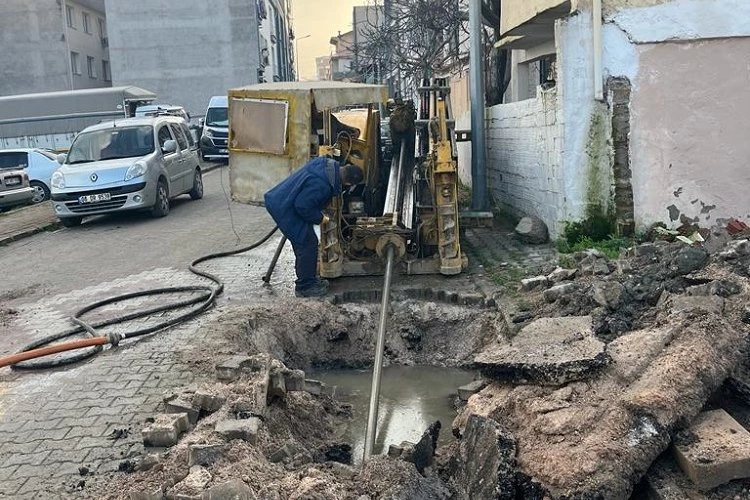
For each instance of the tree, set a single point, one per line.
(420, 39)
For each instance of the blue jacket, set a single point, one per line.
(298, 201)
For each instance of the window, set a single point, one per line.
(188, 134)
(180, 137)
(70, 15)
(164, 136)
(91, 66)
(13, 161)
(86, 23)
(102, 28)
(106, 75)
(75, 65)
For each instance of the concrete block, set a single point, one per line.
(276, 385)
(294, 380)
(205, 454)
(181, 405)
(245, 429)
(314, 387)
(235, 489)
(165, 430)
(231, 368)
(395, 451)
(468, 390)
(714, 450)
(531, 284)
(192, 486)
(548, 351)
(559, 291)
(561, 274)
(207, 402)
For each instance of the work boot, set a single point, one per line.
(319, 289)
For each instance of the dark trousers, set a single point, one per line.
(306, 254)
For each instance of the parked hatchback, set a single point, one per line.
(131, 164)
(39, 164)
(14, 187)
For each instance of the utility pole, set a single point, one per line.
(296, 41)
(476, 76)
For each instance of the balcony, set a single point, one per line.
(528, 23)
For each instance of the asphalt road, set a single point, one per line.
(109, 247)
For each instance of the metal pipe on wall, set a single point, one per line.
(476, 76)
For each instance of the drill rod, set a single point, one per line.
(267, 277)
(372, 418)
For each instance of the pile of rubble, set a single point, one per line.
(610, 368)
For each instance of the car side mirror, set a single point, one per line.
(61, 158)
(170, 146)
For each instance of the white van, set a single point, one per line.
(215, 129)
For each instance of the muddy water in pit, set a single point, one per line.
(411, 398)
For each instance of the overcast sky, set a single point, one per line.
(321, 19)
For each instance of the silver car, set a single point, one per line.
(131, 164)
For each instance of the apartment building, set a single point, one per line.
(51, 45)
(189, 50)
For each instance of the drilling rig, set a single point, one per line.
(409, 201)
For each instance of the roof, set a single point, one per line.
(128, 92)
(133, 122)
(326, 93)
(218, 101)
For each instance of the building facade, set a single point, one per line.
(342, 57)
(52, 45)
(323, 68)
(635, 114)
(189, 50)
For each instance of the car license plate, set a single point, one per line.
(223, 151)
(93, 198)
(12, 181)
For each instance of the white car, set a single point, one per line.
(39, 165)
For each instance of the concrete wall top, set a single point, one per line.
(515, 13)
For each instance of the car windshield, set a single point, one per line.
(217, 117)
(111, 144)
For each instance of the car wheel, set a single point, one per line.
(197, 192)
(161, 207)
(41, 192)
(71, 221)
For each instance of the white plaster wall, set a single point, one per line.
(689, 145)
(685, 20)
(575, 78)
(524, 158)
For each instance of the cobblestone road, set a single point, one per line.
(52, 423)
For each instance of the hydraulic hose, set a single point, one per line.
(95, 340)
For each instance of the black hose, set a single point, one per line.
(203, 301)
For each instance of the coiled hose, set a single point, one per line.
(95, 341)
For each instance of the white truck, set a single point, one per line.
(51, 120)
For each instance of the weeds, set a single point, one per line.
(610, 246)
(508, 277)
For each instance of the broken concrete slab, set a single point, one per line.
(535, 283)
(236, 489)
(165, 430)
(608, 294)
(714, 450)
(423, 452)
(207, 401)
(468, 390)
(598, 440)
(245, 429)
(314, 387)
(562, 274)
(551, 351)
(559, 291)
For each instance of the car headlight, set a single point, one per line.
(58, 180)
(137, 170)
(208, 132)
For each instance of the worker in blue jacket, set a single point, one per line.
(297, 203)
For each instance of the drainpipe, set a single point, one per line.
(476, 77)
(598, 73)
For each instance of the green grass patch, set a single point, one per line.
(611, 246)
(507, 277)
